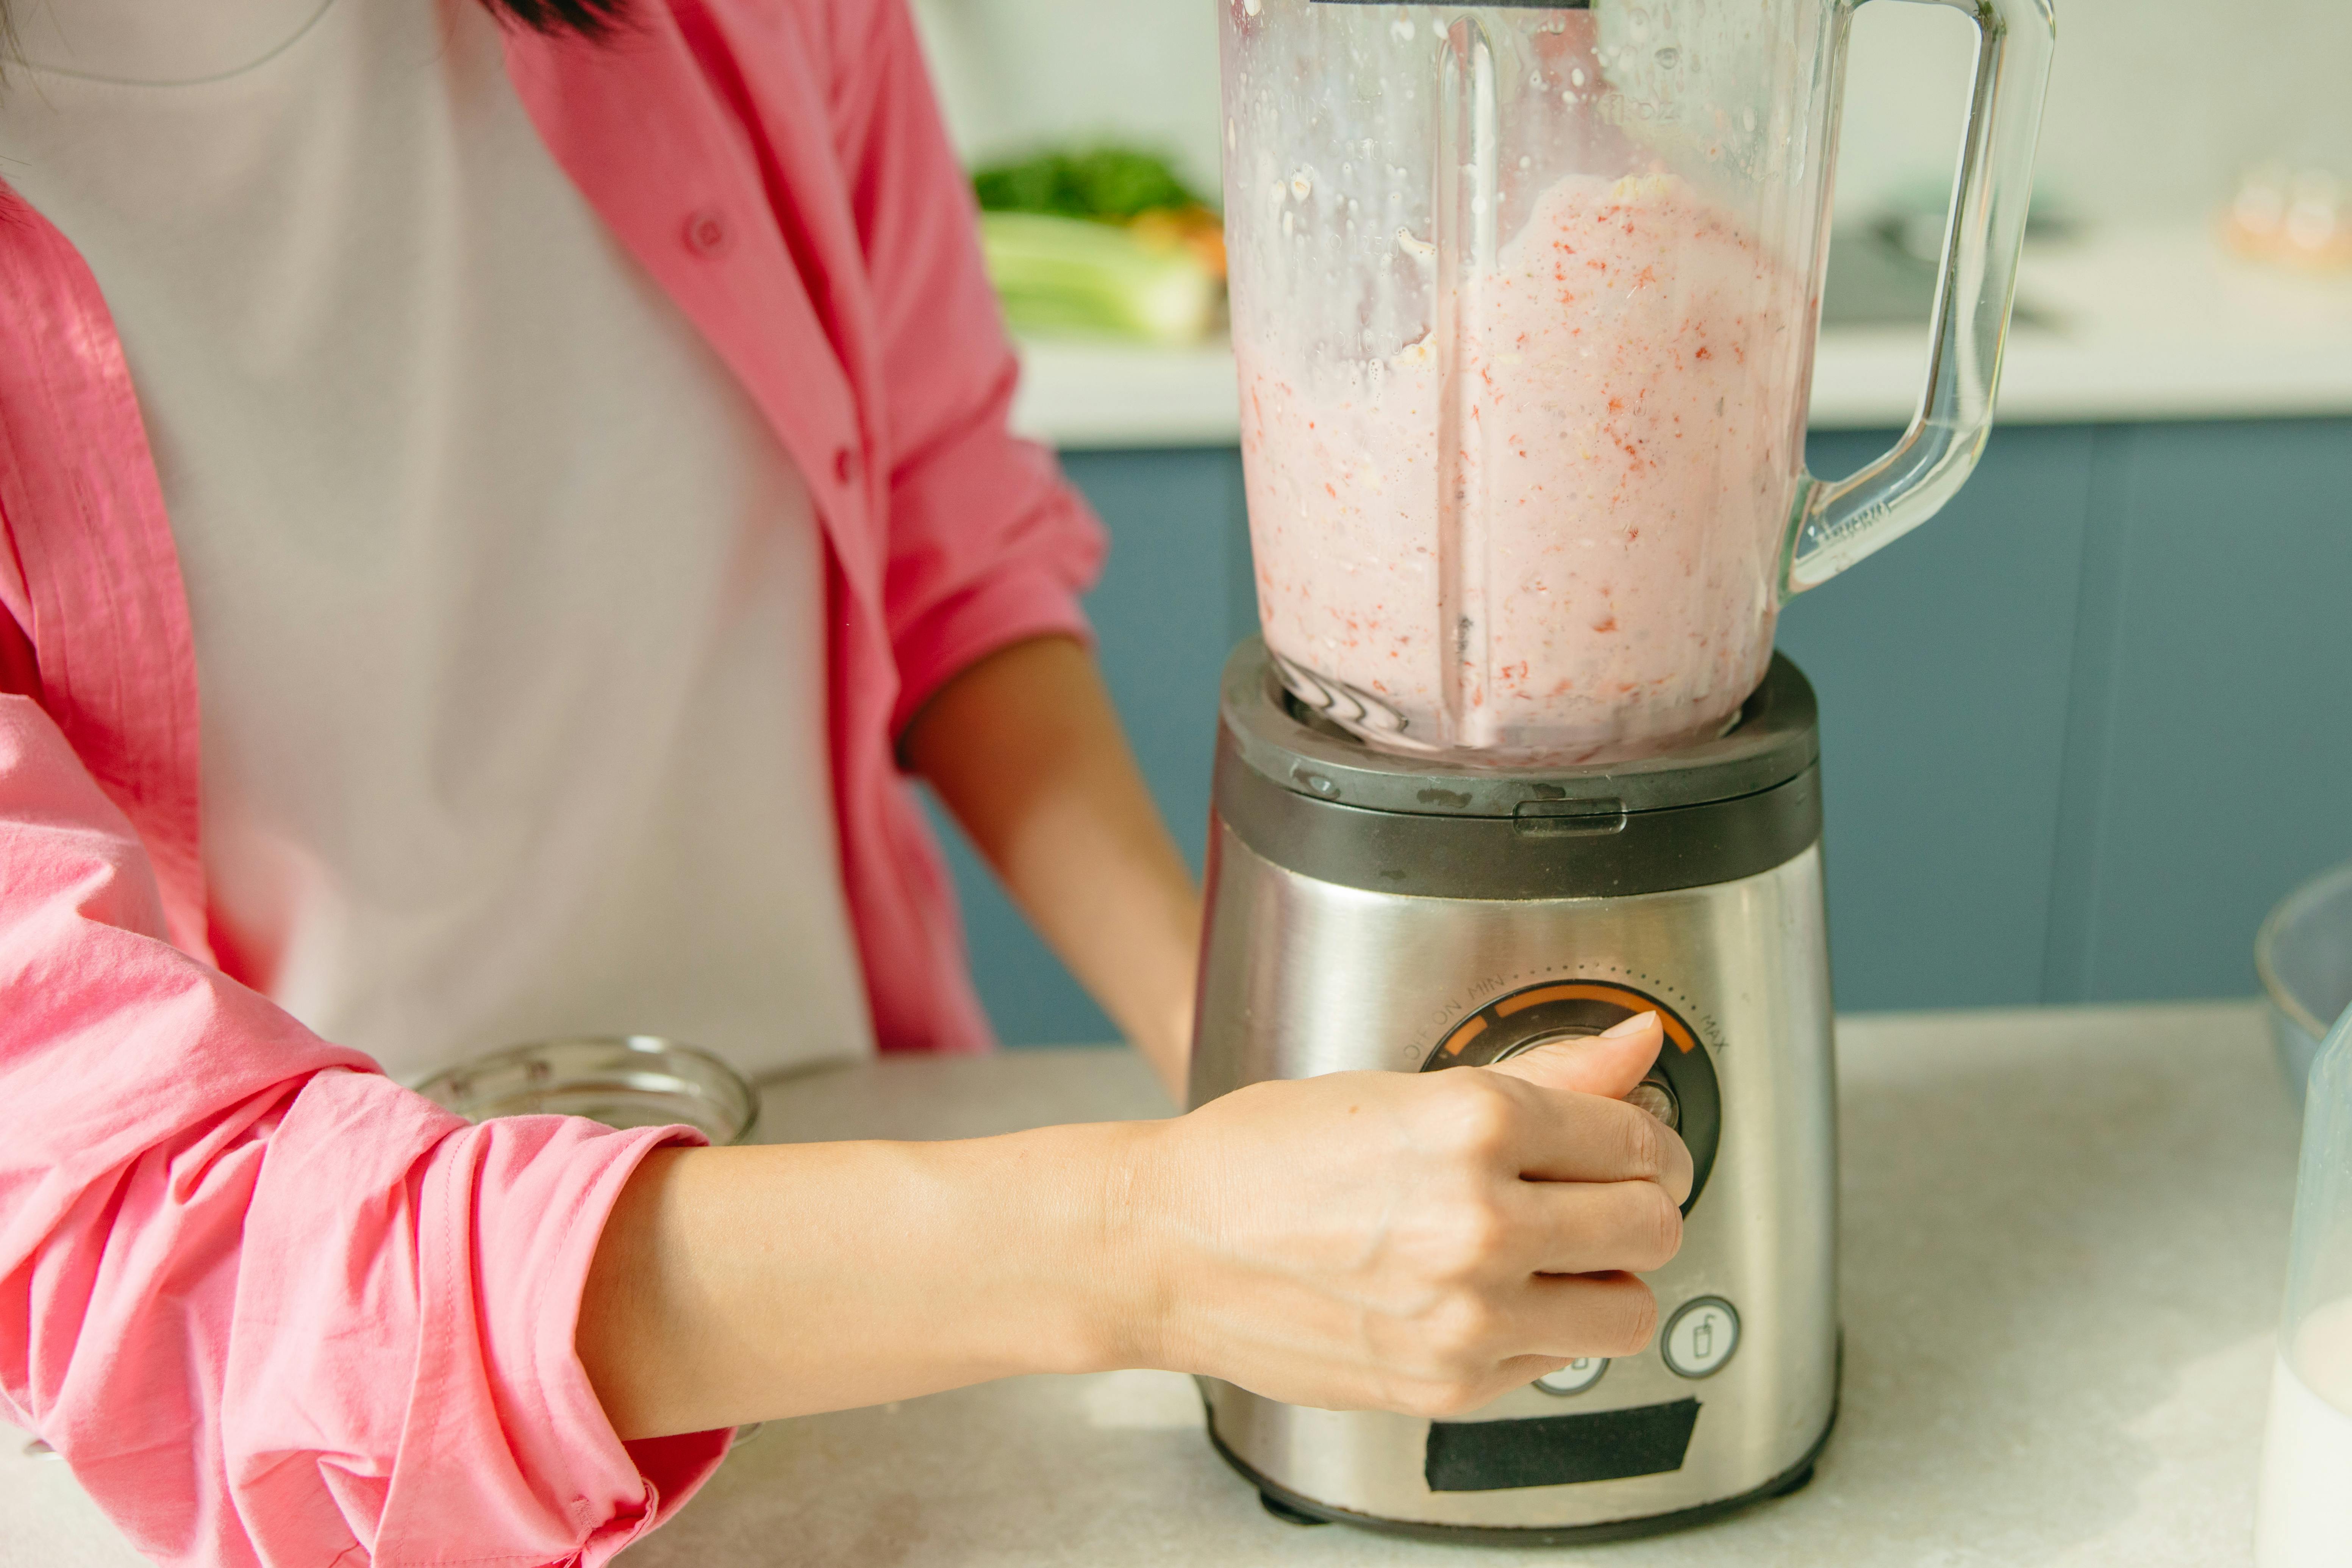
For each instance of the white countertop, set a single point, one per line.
(2152, 323)
(2064, 1238)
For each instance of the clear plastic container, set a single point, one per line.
(2303, 1515)
(1524, 303)
(2304, 955)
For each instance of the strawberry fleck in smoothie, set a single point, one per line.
(1566, 549)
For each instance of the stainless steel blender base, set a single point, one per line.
(1348, 931)
(1293, 1509)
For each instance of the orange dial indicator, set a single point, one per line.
(1615, 995)
(1463, 1036)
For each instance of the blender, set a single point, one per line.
(1524, 300)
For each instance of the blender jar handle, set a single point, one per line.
(1837, 523)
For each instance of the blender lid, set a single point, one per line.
(1776, 738)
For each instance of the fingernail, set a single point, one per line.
(1632, 1026)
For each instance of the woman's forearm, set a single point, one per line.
(1405, 1241)
(1026, 751)
(737, 1285)
(747, 1284)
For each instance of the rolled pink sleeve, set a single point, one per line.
(988, 545)
(271, 1306)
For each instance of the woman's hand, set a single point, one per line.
(1418, 1242)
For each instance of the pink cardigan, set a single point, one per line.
(271, 1306)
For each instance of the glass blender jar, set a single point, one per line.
(1524, 301)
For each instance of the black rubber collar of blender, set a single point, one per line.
(1322, 805)
(1776, 738)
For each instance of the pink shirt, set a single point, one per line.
(272, 1308)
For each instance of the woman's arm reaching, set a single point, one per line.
(1026, 750)
(1408, 1241)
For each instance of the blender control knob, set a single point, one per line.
(1656, 1096)
(1680, 1089)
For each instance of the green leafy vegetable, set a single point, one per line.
(1109, 183)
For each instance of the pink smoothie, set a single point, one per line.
(1628, 449)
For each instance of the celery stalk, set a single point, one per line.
(1061, 275)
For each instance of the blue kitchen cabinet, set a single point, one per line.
(2209, 752)
(2082, 731)
(2078, 732)
(1942, 667)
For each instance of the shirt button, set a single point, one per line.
(845, 465)
(706, 233)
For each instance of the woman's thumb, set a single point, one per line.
(1607, 1064)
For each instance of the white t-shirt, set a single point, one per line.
(509, 608)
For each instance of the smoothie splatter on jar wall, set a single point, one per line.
(1521, 433)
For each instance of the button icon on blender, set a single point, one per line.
(1700, 1337)
(1575, 1376)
